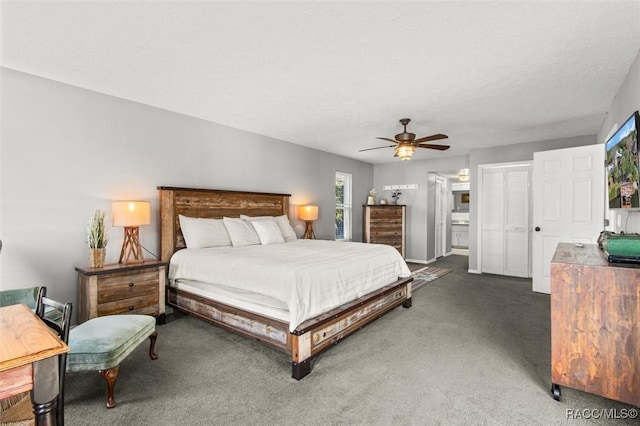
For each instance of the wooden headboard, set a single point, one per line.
(213, 204)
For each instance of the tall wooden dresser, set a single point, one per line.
(384, 224)
(595, 324)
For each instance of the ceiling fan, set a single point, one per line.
(406, 143)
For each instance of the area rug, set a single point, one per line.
(425, 275)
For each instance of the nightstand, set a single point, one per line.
(136, 288)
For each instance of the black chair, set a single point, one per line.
(60, 322)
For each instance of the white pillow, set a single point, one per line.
(241, 232)
(285, 227)
(268, 231)
(200, 233)
(283, 222)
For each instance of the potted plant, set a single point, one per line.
(97, 239)
(396, 196)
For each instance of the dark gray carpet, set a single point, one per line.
(473, 349)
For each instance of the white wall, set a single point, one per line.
(506, 154)
(421, 205)
(420, 202)
(66, 151)
(626, 101)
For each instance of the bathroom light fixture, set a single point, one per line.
(463, 176)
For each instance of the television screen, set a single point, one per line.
(622, 165)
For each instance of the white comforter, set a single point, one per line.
(310, 276)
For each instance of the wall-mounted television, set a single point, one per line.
(623, 175)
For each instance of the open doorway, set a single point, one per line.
(453, 203)
(441, 215)
(460, 218)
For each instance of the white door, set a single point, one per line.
(516, 222)
(492, 210)
(568, 203)
(505, 220)
(447, 201)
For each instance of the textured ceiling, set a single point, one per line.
(334, 75)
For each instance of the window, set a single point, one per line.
(343, 206)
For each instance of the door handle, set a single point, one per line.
(537, 228)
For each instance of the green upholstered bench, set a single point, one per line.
(102, 343)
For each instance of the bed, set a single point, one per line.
(279, 326)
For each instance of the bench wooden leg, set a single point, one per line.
(111, 375)
(152, 348)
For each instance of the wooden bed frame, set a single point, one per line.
(307, 340)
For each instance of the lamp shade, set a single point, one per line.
(404, 151)
(131, 213)
(309, 212)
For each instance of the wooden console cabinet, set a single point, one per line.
(595, 324)
(384, 224)
(137, 288)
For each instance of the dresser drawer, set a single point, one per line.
(391, 240)
(385, 231)
(124, 286)
(385, 213)
(386, 228)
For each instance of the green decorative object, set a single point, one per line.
(622, 245)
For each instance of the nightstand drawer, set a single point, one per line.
(123, 286)
(133, 305)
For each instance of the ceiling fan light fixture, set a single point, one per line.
(404, 151)
(407, 142)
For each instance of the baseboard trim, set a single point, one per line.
(474, 271)
(460, 251)
(417, 261)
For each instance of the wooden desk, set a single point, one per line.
(29, 360)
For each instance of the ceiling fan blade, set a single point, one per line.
(369, 149)
(390, 140)
(432, 146)
(431, 138)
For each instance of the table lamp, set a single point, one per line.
(131, 214)
(308, 213)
